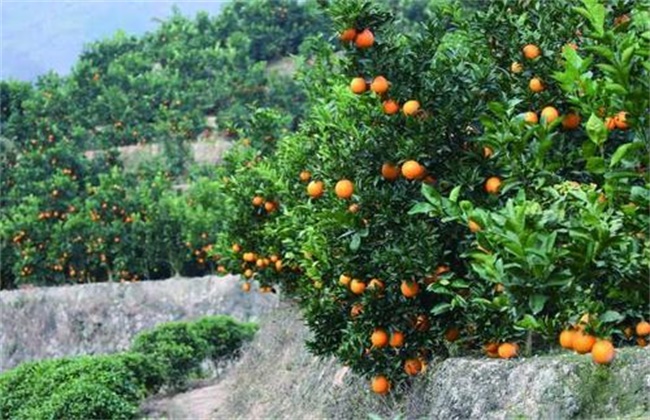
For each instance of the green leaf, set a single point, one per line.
(608, 68)
(420, 208)
(615, 88)
(528, 322)
(440, 308)
(627, 54)
(466, 206)
(596, 165)
(537, 302)
(431, 194)
(459, 284)
(622, 150)
(610, 317)
(355, 243)
(596, 14)
(639, 194)
(596, 130)
(453, 196)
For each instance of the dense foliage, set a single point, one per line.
(111, 386)
(471, 183)
(67, 216)
(496, 202)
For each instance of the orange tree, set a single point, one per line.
(489, 114)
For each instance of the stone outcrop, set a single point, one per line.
(98, 318)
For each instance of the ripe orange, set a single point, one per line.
(358, 85)
(530, 117)
(305, 176)
(643, 328)
(487, 152)
(603, 352)
(473, 226)
(379, 85)
(412, 366)
(379, 338)
(365, 39)
(571, 121)
(357, 286)
(536, 85)
(380, 385)
(531, 51)
(273, 258)
(249, 256)
(492, 350)
(516, 67)
(315, 189)
(390, 107)
(236, 248)
(412, 170)
(344, 189)
(278, 265)
(549, 114)
(348, 35)
(411, 107)
(258, 201)
(248, 273)
(452, 334)
(507, 350)
(344, 280)
(492, 185)
(641, 342)
(620, 120)
(396, 339)
(356, 310)
(376, 285)
(610, 123)
(389, 171)
(566, 339)
(410, 289)
(582, 343)
(246, 287)
(270, 206)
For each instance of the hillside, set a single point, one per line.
(277, 378)
(452, 195)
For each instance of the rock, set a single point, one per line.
(277, 378)
(41, 323)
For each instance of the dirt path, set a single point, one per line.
(197, 404)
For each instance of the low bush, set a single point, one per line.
(73, 388)
(111, 386)
(176, 347)
(223, 335)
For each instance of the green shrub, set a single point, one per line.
(176, 348)
(223, 334)
(111, 386)
(71, 388)
(85, 400)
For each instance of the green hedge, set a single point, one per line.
(111, 386)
